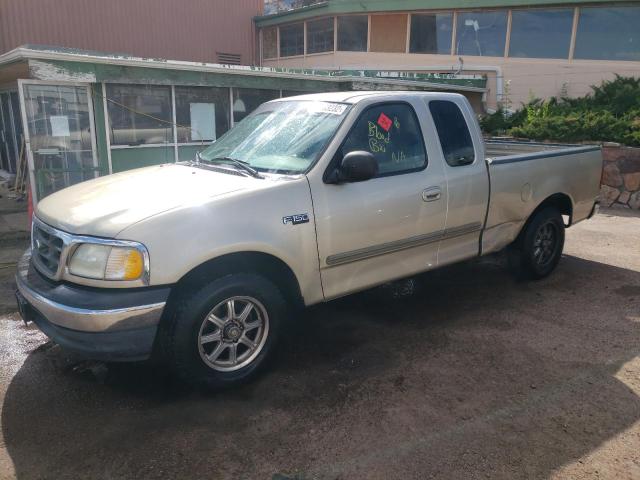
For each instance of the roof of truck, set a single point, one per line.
(355, 97)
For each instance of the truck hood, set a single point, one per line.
(105, 206)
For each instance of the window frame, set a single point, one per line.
(333, 164)
(275, 29)
(333, 40)
(456, 30)
(434, 13)
(464, 117)
(337, 43)
(508, 45)
(578, 22)
(304, 39)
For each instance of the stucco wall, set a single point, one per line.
(517, 78)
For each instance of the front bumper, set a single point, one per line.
(103, 324)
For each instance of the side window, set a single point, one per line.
(391, 132)
(453, 132)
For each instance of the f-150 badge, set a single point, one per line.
(296, 219)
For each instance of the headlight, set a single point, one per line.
(107, 262)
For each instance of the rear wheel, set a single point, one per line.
(541, 243)
(224, 333)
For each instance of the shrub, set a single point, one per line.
(610, 113)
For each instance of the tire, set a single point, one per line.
(539, 248)
(201, 340)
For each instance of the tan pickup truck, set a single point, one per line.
(307, 199)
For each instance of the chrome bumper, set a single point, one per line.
(87, 309)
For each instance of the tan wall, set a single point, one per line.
(182, 30)
(388, 33)
(521, 78)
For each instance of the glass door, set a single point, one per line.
(60, 135)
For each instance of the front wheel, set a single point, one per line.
(223, 334)
(540, 246)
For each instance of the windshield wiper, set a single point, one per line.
(238, 163)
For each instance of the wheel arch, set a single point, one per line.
(265, 264)
(561, 201)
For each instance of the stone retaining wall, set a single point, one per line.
(620, 177)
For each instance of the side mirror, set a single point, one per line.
(356, 166)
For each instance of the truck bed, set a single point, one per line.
(496, 147)
(523, 174)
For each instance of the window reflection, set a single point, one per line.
(481, 33)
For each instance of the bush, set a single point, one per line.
(610, 113)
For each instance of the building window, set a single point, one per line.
(246, 100)
(139, 114)
(481, 33)
(353, 31)
(541, 33)
(320, 36)
(388, 33)
(431, 33)
(391, 132)
(608, 33)
(270, 42)
(292, 40)
(202, 113)
(453, 132)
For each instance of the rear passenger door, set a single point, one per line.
(467, 178)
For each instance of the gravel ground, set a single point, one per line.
(475, 375)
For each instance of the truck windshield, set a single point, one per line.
(280, 137)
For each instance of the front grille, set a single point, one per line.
(46, 250)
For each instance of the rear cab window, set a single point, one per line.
(391, 132)
(453, 132)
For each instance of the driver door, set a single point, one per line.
(390, 226)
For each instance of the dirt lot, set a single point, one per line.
(474, 376)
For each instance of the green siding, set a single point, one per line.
(166, 76)
(335, 7)
(128, 158)
(188, 152)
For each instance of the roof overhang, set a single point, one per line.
(61, 64)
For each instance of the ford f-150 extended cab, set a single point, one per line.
(307, 199)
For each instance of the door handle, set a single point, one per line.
(431, 194)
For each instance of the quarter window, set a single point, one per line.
(453, 133)
(320, 36)
(541, 33)
(292, 40)
(391, 132)
(608, 33)
(431, 33)
(481, 33)
(353, 31)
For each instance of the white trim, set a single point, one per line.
(574, 33)
(92, 124)
(27, 144)
(16, 145)
(174, 127)
(231, 116)
(144, 145)
(107, 123)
